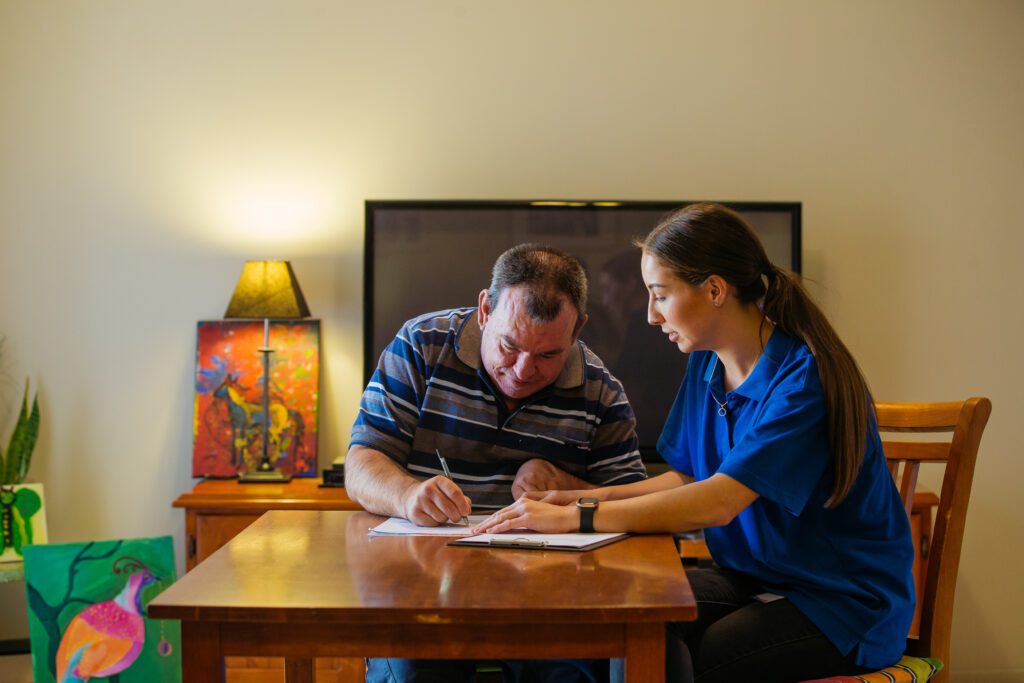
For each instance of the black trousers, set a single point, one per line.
(739, 638)
(464, 671)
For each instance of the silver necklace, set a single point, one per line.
(721, 404)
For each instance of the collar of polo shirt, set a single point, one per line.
(467, 348)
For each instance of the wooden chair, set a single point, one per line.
(966, 420)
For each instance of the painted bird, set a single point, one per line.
(106, 638)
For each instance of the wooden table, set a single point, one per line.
(216, 510)
(303, 584)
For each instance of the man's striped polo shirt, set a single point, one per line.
(430, 392)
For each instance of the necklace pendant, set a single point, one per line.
(721, 403)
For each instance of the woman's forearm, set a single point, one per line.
(712, 502)
(662, 482)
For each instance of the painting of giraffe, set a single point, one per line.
(229, 422)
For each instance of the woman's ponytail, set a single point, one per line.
(847, 397)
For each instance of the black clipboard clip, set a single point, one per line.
(516, 543)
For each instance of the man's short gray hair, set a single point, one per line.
(547, 273)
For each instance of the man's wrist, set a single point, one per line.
(407, 498)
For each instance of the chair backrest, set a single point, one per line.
(966, 420)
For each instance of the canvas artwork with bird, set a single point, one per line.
(87, 611)
(106, 638)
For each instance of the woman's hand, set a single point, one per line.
(527, 513)
(561, 497)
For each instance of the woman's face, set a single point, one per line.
(685, 312)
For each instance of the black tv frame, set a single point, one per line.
(370, 358)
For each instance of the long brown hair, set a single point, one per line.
(701, 240)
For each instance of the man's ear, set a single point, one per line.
(579, 328)
(483, 309)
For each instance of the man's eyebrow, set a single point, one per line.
(655, 284)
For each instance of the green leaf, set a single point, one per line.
(23, 442)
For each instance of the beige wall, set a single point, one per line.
(148, 148)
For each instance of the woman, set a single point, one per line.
(775, 454)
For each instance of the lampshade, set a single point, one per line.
(267, 289)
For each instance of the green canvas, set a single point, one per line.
(22, 520)
(86, 611)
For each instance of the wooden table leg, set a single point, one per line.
(353, 670)
(201, 660)
(645, 652)
(298, 670)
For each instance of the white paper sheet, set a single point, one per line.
(396, 526)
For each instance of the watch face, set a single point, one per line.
(587, 502)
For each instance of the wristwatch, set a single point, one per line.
(587, 508)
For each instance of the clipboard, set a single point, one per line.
(532, 541)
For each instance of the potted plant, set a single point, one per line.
(21, 517)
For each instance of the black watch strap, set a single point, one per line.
(587, 508)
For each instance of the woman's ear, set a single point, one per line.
(717, 289)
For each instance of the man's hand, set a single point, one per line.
(541, 475)
(436, 501)
(384, 487)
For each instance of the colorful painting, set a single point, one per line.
(22, 520)
(229, 422)
(87, 611)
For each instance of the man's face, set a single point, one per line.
(522, 355)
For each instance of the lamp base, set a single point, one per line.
(264, 477)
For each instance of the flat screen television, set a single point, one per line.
(424, 256)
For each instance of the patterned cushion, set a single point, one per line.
(907, 670)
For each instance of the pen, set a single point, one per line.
(448, 474)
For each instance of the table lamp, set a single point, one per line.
(266, 289)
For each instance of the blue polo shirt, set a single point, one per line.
(847, 568)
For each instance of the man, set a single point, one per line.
(511, 399)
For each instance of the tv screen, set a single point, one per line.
(424, 256)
